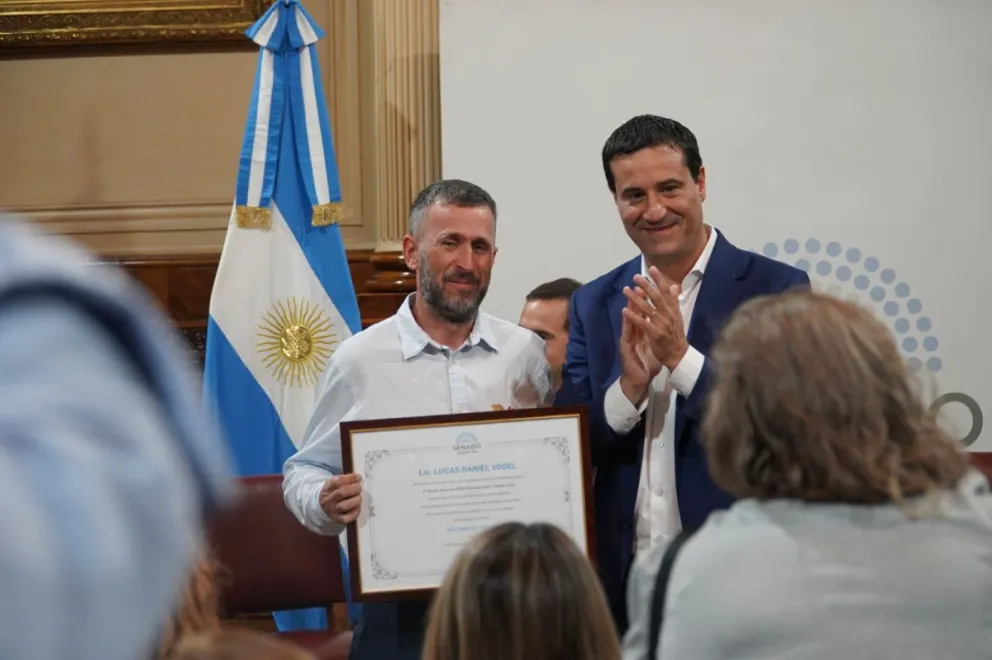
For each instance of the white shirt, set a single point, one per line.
(657, 510)
(393, 369)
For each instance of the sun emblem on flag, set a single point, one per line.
(296, 338)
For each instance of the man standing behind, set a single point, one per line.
(638, 344)
(545, 313)
(437, 355)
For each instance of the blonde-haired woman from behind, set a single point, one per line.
(521, 591)
(237, 645)
(860, 530)
(198, 609)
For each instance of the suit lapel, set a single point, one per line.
(720, 292)
(615, 305)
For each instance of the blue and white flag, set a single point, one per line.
(283, 298)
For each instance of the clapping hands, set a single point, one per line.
(652, 335)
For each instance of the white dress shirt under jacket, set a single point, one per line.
(657, 509)
(393, 369)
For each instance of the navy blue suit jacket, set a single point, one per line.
(592, 364)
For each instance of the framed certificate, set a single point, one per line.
(429, 484)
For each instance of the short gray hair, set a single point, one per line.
(448, 191)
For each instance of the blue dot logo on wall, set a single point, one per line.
(849, 273)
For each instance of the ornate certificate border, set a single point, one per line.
(34, 23)
(566, 450)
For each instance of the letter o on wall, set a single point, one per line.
(972, 406)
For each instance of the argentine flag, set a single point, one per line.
(283, 299)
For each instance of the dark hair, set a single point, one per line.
(646, 131)
(520, 591)
(812, 401)
(448, 191)
(560, 289)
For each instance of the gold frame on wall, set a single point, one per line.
(36, 23)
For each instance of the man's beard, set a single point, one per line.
(454, 309)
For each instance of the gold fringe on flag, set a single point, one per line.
(254, 217)
(326, 214)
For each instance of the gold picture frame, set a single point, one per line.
(55, 23)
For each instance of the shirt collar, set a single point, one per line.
(414, 340)
(698, 269)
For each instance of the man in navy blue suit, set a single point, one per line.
(639, 339)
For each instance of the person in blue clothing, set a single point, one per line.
(109, 466)
(639, 337)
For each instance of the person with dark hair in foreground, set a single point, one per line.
(861, 532)
(520, 591)
(545, 313)
(638, 343)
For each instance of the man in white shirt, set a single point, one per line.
(438, 354)
(638, 340)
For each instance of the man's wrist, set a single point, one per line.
(686, 374)
(635, 392)
(676, 357)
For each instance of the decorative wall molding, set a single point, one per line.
(34, 23)
(160, 230)
(182, 285)
(178, 228)
(177, 216)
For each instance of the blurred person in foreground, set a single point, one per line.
(861, 530)
(107, 462)
(521, 591)
(438, 355)
(545, 313)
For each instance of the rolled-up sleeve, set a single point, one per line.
(305, 473)
(98, 505)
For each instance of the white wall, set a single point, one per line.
(859, 125)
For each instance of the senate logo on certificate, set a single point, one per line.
(467, 443)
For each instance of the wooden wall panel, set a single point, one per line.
(182, 285)
(134, 152)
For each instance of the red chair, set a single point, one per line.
(983, 461)
(270, 562)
